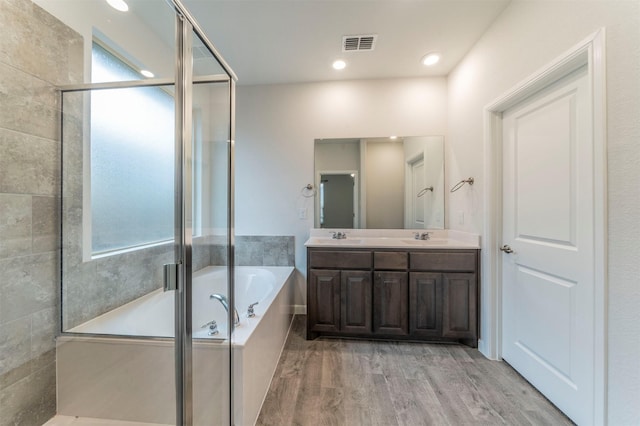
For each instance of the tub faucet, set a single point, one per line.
(222, 299)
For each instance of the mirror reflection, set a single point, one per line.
(380, 183)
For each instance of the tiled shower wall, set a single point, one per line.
(37, 53)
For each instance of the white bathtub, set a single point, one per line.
(132, 378)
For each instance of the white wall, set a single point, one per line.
(275, 130)
(432, 149)
(528, 35)
(139, 43)
(385, 187)
(342, 156)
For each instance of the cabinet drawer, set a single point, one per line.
(391, 260)
(340, 259)
(454, 261)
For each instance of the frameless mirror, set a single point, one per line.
(380, 183)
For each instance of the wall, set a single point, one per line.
(276, 126)
(135, 39)
(385, 187)
(432, 150)
(37, 53)
(528, 35)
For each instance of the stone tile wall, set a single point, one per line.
(90, 289)
(37, 53)
(258, 250)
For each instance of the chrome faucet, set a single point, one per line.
(222, 299)
(423, 236)
(338, 235)
(213, 327)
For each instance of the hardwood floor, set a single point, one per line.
(337, 382)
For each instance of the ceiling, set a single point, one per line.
(287, 41)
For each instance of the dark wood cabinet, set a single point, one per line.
(323, 304)
(390, 303)
(459, 305)
(427, 294)
(355, 302)
(425, 304)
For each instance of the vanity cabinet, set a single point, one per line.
(416, 294)
(390, 303)
(339, 300)
(390, 290)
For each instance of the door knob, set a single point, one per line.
(505, 248)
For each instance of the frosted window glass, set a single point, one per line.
(132, 160)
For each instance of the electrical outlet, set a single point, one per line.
(302, 213)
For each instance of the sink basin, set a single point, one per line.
(431, 241)
(334, 241)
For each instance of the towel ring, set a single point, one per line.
(308, 191)
(461, 184)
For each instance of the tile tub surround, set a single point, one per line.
(37, 53)
(90, 289)
(257, 250)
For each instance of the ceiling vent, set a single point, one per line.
(359, 43)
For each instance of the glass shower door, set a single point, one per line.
(116, 357)
(146, 228)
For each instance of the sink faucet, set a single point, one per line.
(339, 235)
(424, 236)
(222, 299)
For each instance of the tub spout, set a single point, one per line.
(222, 299)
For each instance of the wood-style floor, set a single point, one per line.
(337, 382)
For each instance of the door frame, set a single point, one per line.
(590, 52)
(356, 194)
(409, 218)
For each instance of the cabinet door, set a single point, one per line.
(390, 303)
(459, 311)
(425, 304)
(355, 302)
(323, 300)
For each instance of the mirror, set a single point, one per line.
(380, 183)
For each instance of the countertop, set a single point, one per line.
(394, 238)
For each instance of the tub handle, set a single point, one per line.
(250, 312)
(213, 327)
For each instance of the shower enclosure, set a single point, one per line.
(147, 205)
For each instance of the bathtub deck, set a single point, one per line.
(87, 421)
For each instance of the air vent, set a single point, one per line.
(359, 43)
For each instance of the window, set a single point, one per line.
(132, 159)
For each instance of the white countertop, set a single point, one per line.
(394, 238)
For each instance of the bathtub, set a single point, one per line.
(104, 373)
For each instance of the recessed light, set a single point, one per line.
(430, 59)
(393, 137)
(147, 73)
(120, 5)
(339, 64)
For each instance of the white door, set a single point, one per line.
(417, 194)
(548, 223)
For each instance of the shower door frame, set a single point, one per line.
(184, 80)
(186, 25)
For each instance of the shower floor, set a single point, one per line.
(87, 421)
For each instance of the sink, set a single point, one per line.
(334, 241)
(431, 241)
